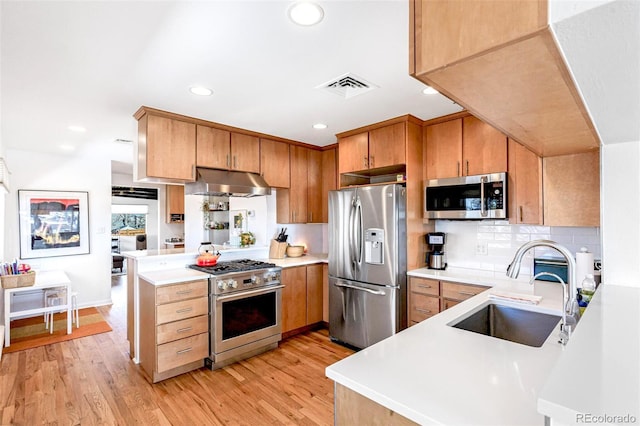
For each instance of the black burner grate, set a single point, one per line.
(233, 266)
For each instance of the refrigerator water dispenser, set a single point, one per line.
(374, 246)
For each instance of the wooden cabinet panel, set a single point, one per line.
(571, 190)
(484, 148)
(213, 147)
(457, 291)
(174, 203)
(444, 149)
(447, 303)
(424, 286)
(329, 179)
(524, 185)
(325, 292)
(387, 146)
(181, 352)
(245, 153)
(299, 184)
(183, 291)
(354, 153)
(274, 163)
(166, 148)
(294, 296)
(314, 186)
(423, 307)
(180, 329)
(314, 294)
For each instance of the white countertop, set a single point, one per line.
(307, 259)
(599, 372)
(467, 276)
(432, 373)
(172, 276)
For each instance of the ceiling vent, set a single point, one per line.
(347, 86)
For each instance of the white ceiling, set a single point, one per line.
(95, 63)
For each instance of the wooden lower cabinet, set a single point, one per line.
(355, 409)
(428, 297)
(174, 328)
(302, 296)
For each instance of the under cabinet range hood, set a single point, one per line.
(226, 183)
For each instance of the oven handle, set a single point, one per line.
(243, 294)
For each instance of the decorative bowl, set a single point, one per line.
(295, 251)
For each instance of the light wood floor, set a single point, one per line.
(92, 381)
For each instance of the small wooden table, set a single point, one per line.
(44, 280)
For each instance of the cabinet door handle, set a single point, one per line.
(311, 217)
(228, 160)
(193, 172)
(184, 292)
(235, 163)
(424, 286)
(466, 293)
(365, 162)
(457, 168)
(184, 351)
(183, 330)
(521, 214)
(372, 161)
(467, 167)
(424, 311)
(185, 310)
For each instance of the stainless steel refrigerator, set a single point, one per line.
(367, 263)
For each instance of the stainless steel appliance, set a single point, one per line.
(367, 264)
(467, 197)
(435, 255)
(245, 300)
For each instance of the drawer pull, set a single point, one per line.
(182, 311)
(424, 286)
(184, 351)
(182, 330)
(466, 293)
(424, 311)
(184, 292)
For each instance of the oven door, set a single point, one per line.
(245, 317)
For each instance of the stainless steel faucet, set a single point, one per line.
(571, 303)
(565, 329)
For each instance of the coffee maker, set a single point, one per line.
(435, 256)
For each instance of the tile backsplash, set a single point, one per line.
(468, 241)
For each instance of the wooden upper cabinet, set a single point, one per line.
(571, 190)
(449, 31)
(213, 147)
(314, 186)
(329, 179)
(524, 185)
(222, 149)
(166, 149)
(387, 146)
(484, 148)
(175, 203)
(443, 149)
(501, 62)
(354, 153)
(245, 153)
(274, 163)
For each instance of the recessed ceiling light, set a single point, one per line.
(306, 13)
(320, 126)
(430, 91)
(67, 147)
(200, 91)
(79, 129)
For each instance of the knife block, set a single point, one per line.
(277, 249)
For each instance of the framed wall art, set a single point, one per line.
(53, 223)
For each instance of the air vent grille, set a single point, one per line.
(347, 86)
(132, 192)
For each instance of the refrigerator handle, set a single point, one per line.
(360, 233)
(352, 249)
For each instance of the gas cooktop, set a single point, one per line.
(233, 266)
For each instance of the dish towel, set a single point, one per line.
(514, 297)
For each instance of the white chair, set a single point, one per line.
(56, 298)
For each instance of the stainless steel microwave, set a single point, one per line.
(467, 197)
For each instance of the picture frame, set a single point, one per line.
(53, 223)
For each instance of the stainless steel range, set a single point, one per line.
(245, 299)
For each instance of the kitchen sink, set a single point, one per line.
(522, 326)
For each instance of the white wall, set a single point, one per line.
(502, 240)
(90, 274)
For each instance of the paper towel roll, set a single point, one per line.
(584, 265)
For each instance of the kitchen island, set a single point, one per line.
(432, 373)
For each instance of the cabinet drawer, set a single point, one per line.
(423, 306)
(447, 303)
(424, 286)
(183, 351)
(180, 329)
(457, 291)
(188, 290)
(181, 310)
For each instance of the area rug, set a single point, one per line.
(30, 333)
